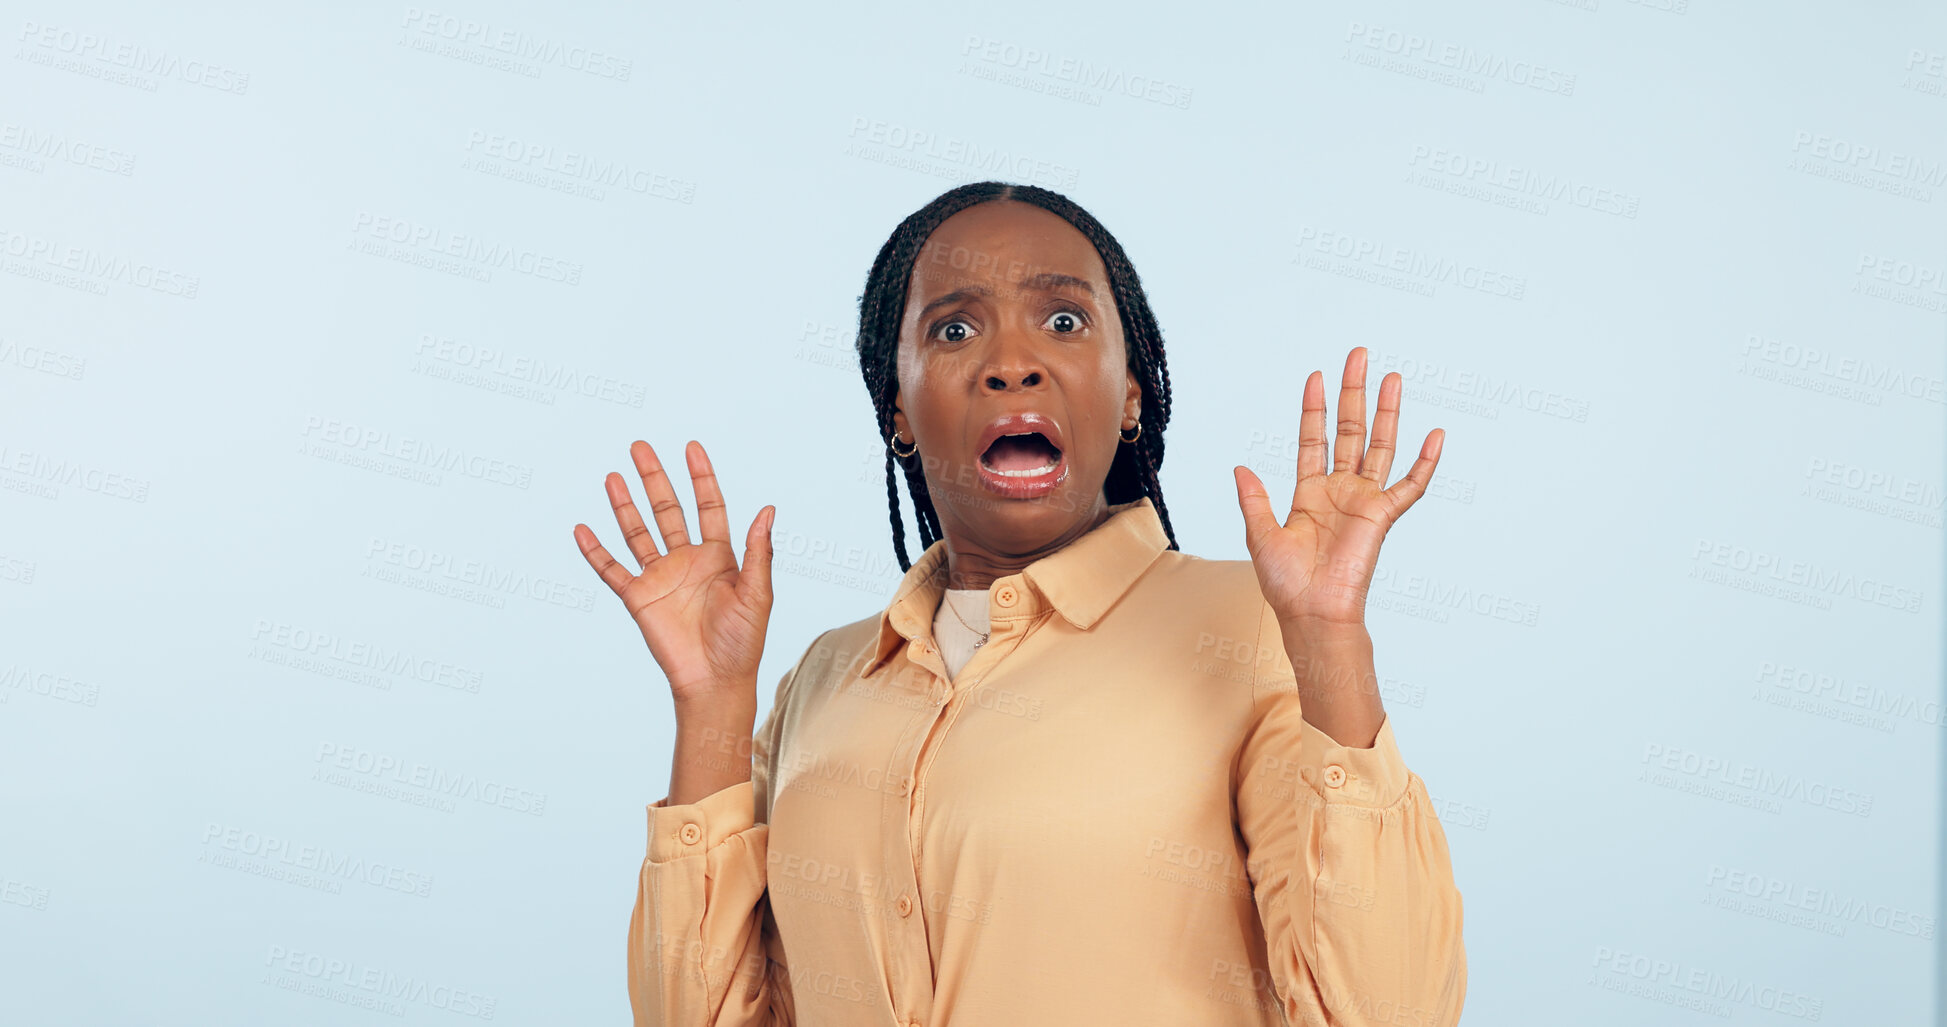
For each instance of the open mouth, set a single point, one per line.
(1024, 455)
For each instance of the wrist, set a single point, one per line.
(712, 752)
(709, 698)
(1326, 632)
(726, 717)
(1336, 680)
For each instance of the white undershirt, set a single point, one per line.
(955, 639)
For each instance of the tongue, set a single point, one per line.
(1020, 453)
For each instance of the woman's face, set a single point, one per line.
(1013, 377)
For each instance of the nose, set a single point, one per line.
(1011, 364)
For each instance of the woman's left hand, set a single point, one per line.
(1316, 567)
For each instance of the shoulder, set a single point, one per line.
(1217, 608)
(1226, 589)
(837, 650)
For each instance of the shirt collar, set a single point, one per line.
(1081, 580)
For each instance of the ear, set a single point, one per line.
(1132, 402)
(899, 425)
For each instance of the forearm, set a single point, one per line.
(713, 746)
(1337, 683)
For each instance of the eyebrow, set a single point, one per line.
(1046, 281)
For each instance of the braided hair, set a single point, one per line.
(882, 307)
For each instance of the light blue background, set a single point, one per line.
(167, 529)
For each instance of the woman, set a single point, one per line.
(1069, 774)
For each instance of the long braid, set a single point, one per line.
(1132, 474)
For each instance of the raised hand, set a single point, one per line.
(1316, 567)
(703, 617)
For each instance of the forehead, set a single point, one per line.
(1000, 243)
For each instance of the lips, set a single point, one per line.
(1022, 455)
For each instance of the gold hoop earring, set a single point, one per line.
(892, 445)
(1138, 435)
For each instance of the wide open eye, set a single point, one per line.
(1065, 322)
(955, 330)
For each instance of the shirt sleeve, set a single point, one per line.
(703, 946)
(1350, 871)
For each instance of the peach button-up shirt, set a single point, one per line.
(1114, 814)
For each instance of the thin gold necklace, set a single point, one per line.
(948, 600)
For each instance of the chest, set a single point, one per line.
(1054, 747)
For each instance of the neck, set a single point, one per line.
(969, 565)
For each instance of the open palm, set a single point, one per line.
(1316, 567)
(703, 617)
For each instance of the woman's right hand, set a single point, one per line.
(704, 619)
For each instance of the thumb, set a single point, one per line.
(754, 583)
(1255, 504)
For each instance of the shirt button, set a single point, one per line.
(905, 906)
(1006, 596)
(1334, 775)
(692, 834)
(905, 786)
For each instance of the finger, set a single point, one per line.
(1350, 449)
(1385, 427)
(629, 519)
(710, 515)
(662, 496)
(1311, 428)
(1255, 504)
(754, 584)
(1413, 486)
(613, 574)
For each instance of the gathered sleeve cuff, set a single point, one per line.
(1374, 777)
(679, 831)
